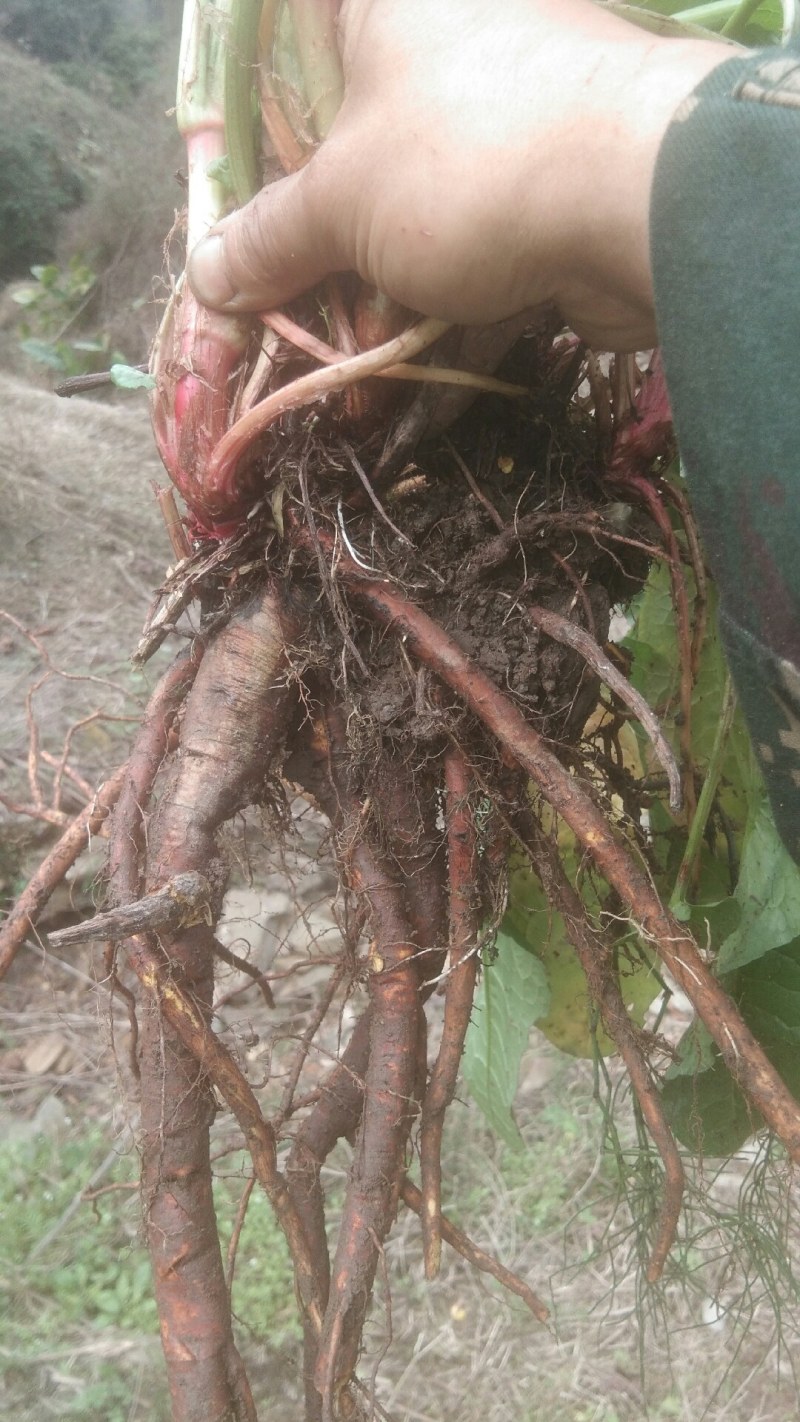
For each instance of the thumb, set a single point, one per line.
(268, 251)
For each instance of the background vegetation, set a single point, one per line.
(88, 164)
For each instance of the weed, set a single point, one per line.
(53, 304)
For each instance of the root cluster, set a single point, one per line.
(416, 651)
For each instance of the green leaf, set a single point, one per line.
(127, 377)
(25, 295)
(768, 893)
(768, 992)
(707, 1111)
(43, 352)
(512, 994)
(241, 60)
(696, 1052)
(703, 1104)
(48, 276)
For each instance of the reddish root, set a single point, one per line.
(389, 1090)
(743, 1055)
(463, 1245)
(33, 899)
(679, 501)
(232, 724)
(139, 775)
(335, 1115)
(405, 816)
(571, 635)
(121, 787)
(642, 437)
(462, 970)
(596, 956)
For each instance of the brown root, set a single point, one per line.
(399, 662)
(462, 970)
(34, 897)
(388, 1095)
(463, 1245)
(743, 1055)
(596, 956)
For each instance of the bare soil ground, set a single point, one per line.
(82, 551)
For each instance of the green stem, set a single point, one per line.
(735, 26)
(199, 110)
(241, 59)
(699, 21)
(679, 903)
(711, 16)
(314, 24)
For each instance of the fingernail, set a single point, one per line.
(206, 272)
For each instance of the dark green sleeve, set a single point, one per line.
(725, 224)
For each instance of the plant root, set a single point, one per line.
(462, 970)
(419, 735)
(121, 786)
(571, 635)
(743, 1055)
(231, 728)
(596, 955)
(389, 1090)
(463, 1245)
(50, 873)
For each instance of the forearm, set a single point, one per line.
(725, 201)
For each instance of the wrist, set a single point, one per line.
(631, 97)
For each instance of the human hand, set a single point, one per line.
(485, 160)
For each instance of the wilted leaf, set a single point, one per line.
(512, 994)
